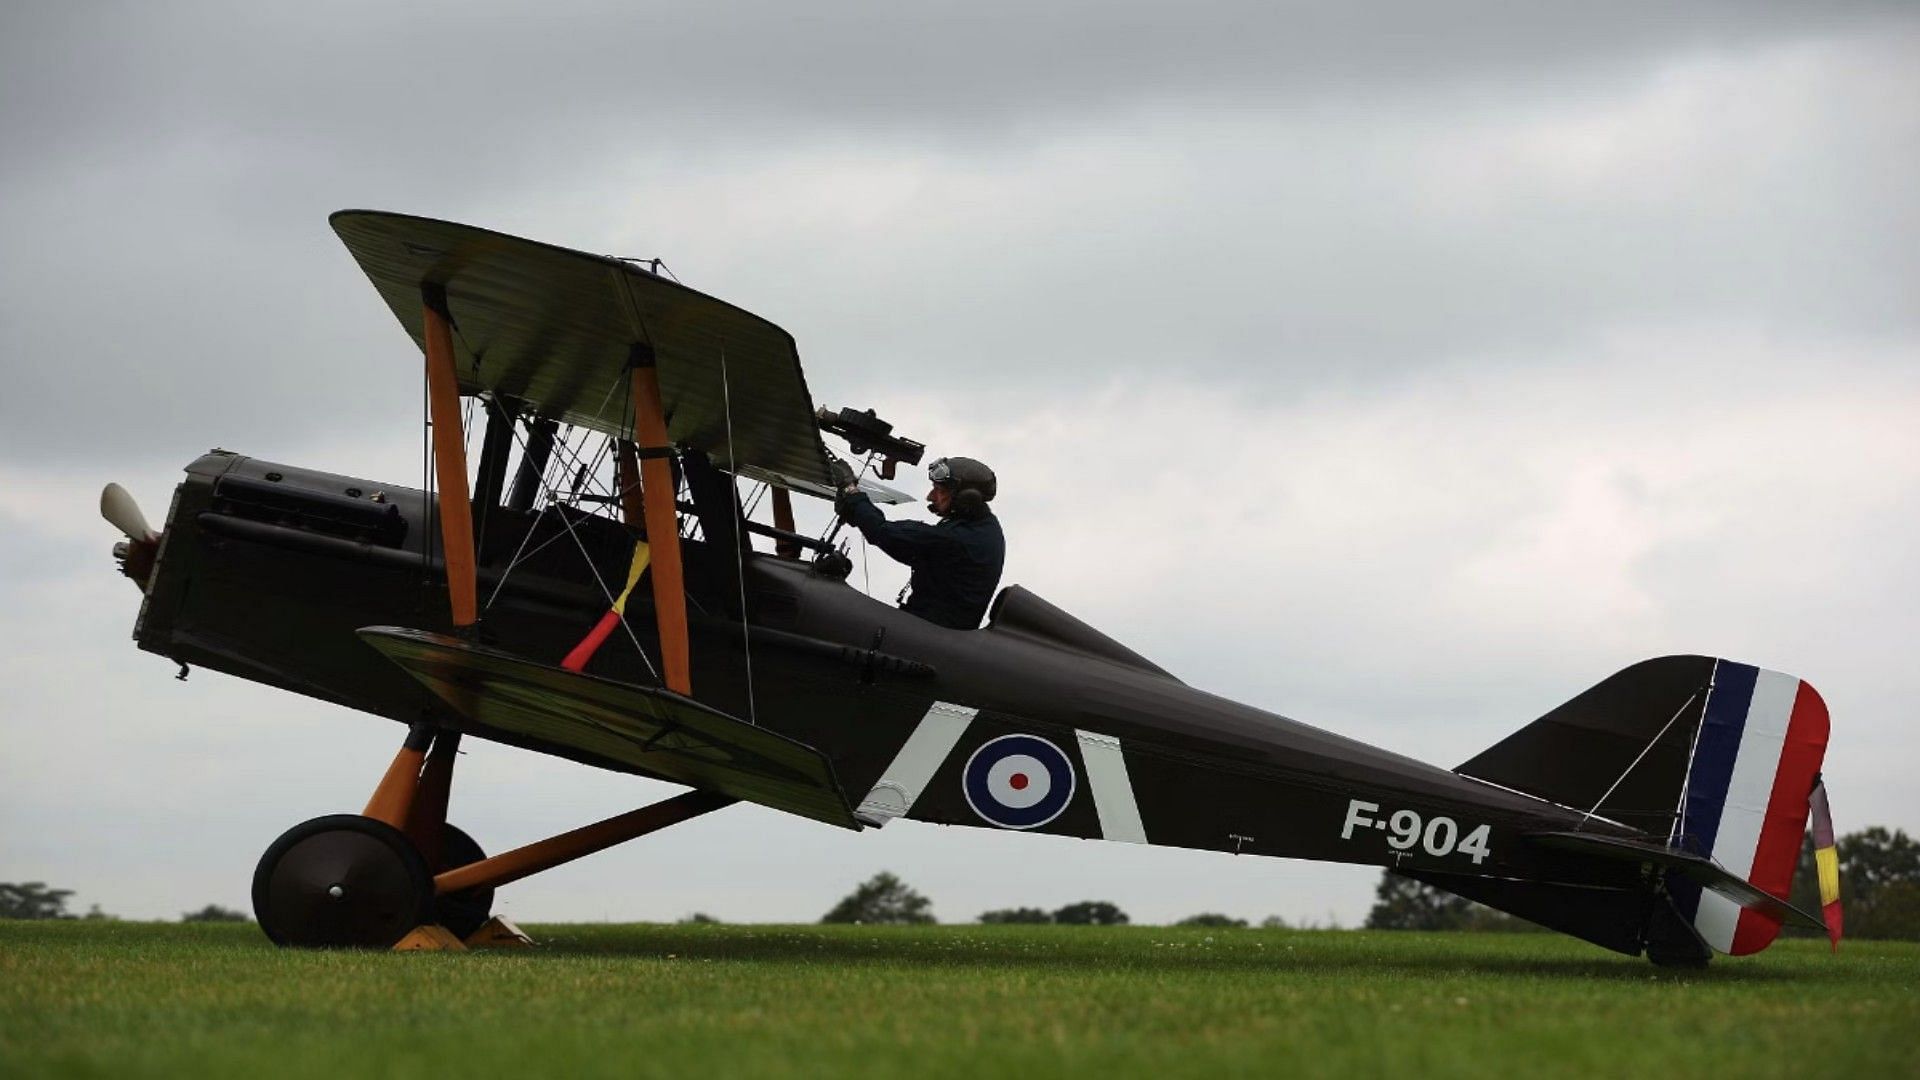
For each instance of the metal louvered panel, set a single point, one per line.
(554, 328)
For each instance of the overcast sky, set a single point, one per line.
(1486, 348)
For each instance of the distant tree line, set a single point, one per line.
(215, 913)
(1213, 920)
(1401, 903)
(1879, 884)
(1084, 913)
(1090, 913)
(34, 900)
(884, 899)
(1017, 916)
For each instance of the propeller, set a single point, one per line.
(124, 514)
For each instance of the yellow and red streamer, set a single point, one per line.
(583, 652)
(1826, 862)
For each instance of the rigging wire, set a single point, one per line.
(515, 561)
(521, 553)
(553, 502)
(1592, 811)
(606, 445)
(557, 461)
(1677, 832)
(759, 492)
(586, 473)
(608, 593)
(568, 456)
(739, 553)
(564, 445)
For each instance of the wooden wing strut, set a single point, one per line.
(450, 459)
(663, 521)
(626, 473)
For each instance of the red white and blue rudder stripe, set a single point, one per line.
(1755, 761)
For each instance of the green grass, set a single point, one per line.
(913, 1004)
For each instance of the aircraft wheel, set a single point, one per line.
(341, 881)
(462, 912)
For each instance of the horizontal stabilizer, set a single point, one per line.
(1702, 872)
(656, 731)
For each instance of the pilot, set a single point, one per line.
(955, 561)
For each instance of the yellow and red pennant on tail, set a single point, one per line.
(1826, 862)
(583, 652)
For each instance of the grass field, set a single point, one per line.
(140, 999)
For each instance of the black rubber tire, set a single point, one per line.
(462, 912)
(341, 881)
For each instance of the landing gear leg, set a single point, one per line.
(366, 880)
(468, 910)
(444, 846)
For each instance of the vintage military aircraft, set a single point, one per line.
(1660, 812)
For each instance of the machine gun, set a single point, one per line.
(867, 433)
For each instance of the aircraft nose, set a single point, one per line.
(136, 553)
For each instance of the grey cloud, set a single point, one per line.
(460, 76)
(1247, 193)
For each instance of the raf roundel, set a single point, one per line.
(1018, 781)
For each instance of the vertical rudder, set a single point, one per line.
(1754, 765)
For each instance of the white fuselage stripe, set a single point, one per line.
(912, 769)
(1749, 790)
(1112, 789)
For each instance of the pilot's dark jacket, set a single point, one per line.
(956, 563)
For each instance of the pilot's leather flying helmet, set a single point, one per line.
(972, 483)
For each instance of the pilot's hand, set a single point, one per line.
(843, 477)
(846, 487)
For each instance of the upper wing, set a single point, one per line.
(656, 731)
(554, 328)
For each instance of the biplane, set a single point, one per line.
(595, 582)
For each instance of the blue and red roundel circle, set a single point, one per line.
(1018, 781)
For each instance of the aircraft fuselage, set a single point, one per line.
(255, 579)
